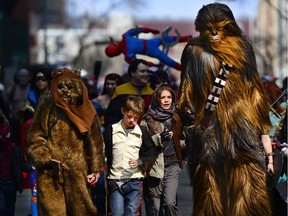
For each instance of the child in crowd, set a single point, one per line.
(129, 149)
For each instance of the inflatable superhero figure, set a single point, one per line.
(130, 45)
(222, 104)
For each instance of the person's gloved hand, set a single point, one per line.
(166, 135)
(147, 30)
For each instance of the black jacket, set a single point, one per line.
(19, 165)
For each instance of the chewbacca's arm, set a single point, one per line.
(256, 93)
(185, 103)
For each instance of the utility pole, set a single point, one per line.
(44, 25)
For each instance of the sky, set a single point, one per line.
(168, 9)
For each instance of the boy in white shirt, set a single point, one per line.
(129, 149)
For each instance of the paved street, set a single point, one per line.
(23, 203)
(184, 198)
(185, 194)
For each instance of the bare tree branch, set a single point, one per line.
(282, 15)
(92, 22)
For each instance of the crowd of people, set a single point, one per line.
(143, 150)
(57, 93)
(110, 154)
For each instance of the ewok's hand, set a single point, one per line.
(93, 178)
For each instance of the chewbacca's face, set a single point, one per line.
(70, 90)
(215, 22)
(215, 32)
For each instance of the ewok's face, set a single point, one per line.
(71, 91)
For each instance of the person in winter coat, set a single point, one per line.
(160, 186)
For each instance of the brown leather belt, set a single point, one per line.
(170, 158)
(126, 180)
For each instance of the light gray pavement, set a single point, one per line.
(23, 203)
(185, 194)
(184, 198)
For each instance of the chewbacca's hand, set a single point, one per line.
(188, 119)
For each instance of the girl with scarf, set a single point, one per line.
(162, 122)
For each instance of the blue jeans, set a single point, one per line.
(125, 200)
(8, 193)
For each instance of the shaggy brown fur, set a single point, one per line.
(226, 168)
(63, 190)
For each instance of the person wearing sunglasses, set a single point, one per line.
(39, 89)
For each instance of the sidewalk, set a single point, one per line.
(23, 203)
(185, 200)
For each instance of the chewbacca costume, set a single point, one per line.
(65, 144)
(226, 168)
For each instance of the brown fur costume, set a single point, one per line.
(75, 141)
(226, 168)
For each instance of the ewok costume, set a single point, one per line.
(65, 144)
(222, 102)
